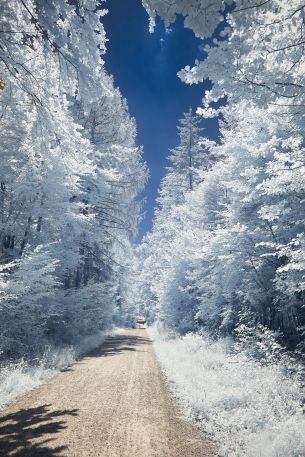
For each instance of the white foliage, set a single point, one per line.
(20, 377)
(70, 173)
(250, 409)
(239, 233)
(227, 260)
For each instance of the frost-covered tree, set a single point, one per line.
(163, 282)
(187, 161)
(69, 176)
(202, 16)
(244, 224)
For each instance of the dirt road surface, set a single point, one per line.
(112, 403)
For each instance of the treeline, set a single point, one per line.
(70, 172)
(227, 249)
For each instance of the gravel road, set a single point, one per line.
(112, 403)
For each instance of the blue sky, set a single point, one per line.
(145, 67)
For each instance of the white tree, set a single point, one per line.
(247, 217)
(70, 173)
(188, 160)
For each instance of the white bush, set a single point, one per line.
(18, 378)
(249, 408)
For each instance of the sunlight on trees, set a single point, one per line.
(69, 176)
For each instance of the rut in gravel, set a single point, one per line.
(112, 403)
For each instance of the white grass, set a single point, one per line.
(250, 410)
(18, 378)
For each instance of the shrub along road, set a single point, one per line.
(112, 403)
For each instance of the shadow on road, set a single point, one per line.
(119, 343)
(20, 430)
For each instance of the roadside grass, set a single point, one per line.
(249, 408)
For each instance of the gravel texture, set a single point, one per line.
(112, 403)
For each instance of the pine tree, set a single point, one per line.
(188, 160)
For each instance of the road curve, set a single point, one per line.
(112, 403)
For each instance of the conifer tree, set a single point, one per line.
(188, 160)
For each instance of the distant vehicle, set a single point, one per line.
(141, 322)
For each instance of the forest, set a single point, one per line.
(220, 277)
(70, 171)
(232, 256)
